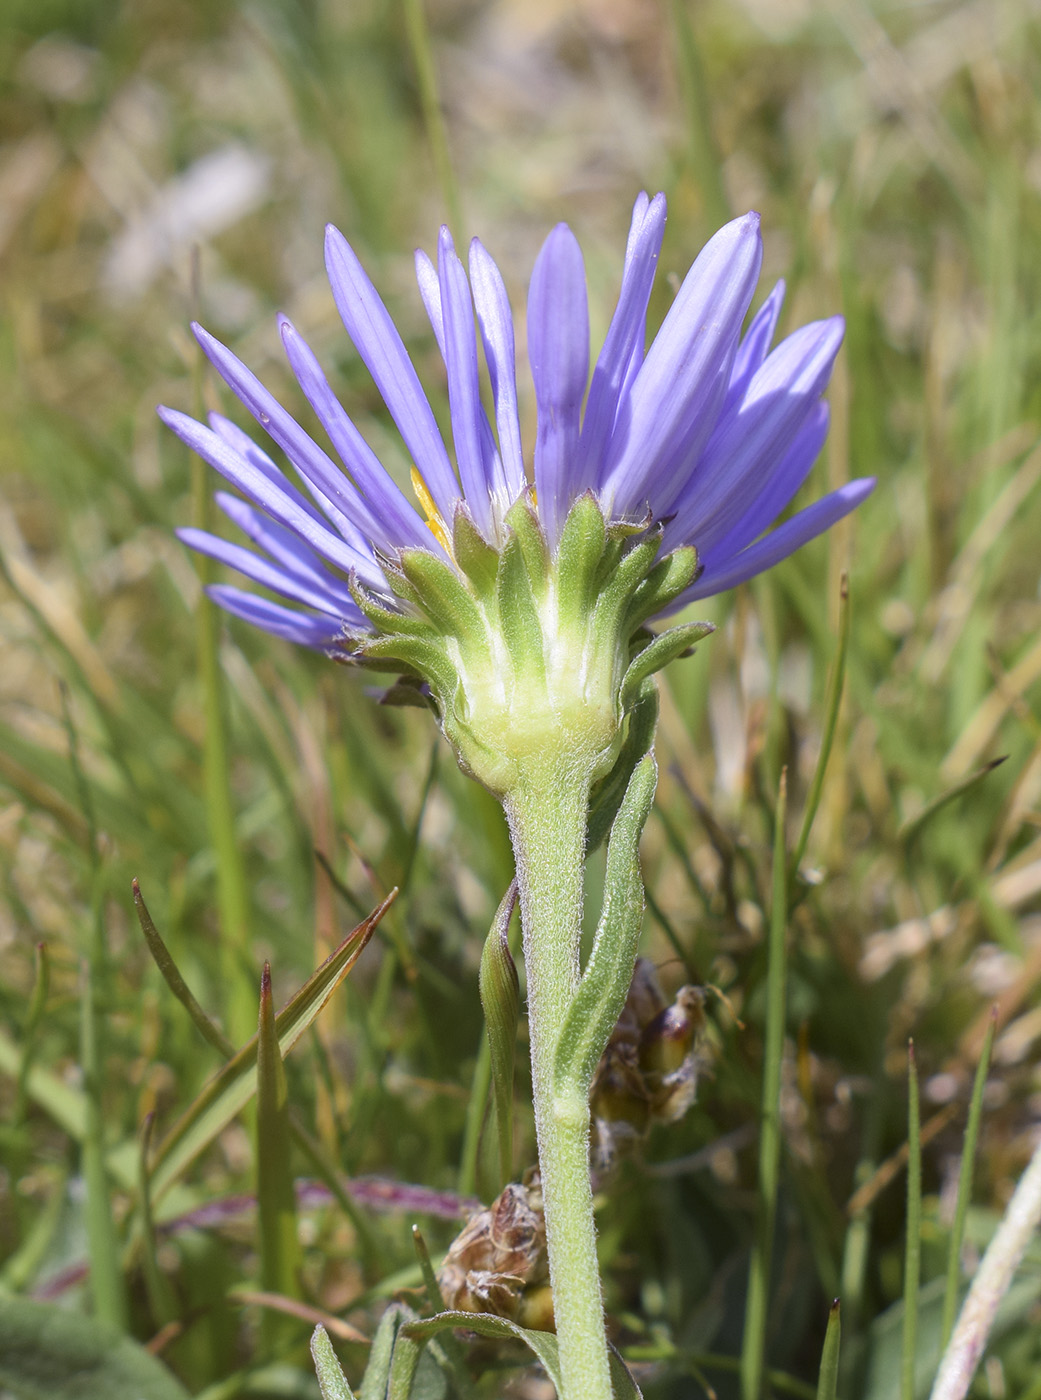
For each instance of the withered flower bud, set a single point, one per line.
(498, 1263)
(648, 1072)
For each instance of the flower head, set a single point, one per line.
(659, 491)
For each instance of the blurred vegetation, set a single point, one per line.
(166, 159)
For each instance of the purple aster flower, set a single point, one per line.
(707, 435)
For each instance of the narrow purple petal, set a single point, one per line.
(784, 481)
(288, 550)
(244, 445)
(377, 341)
(755, 343)
(306, 629)
(395, 522)
(330, 486)
(677, 394)
(269, 575)
(738, 457)
(430, 290)
(464, 390)
(558, 348)
(495, 318)
(623, 345)
(277, 500)
(779, 543)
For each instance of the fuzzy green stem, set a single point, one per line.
(547, 812)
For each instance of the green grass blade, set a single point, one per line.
(480, 1088)
(37, 1002)
(277, 1239)
(912, 829)
(232, 889)
(173, 979)
(832, 705)
(433, 117)
(106, 1279)
(500, 998)
(233, 1086)
(454, 1352)
(961, 1209)
(913, 1246)
(160, 1295)
(753, 1345)
(828, 1380)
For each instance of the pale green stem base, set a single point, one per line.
(547, 815)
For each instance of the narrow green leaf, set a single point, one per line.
(50, 1353)
(961, 1209)
(173, 979)
(377, 1372)
(543, 1344)
(160, 1296)
(659, 652)
(912, 829)
(665, 582)
(331, 1380)
(608, 973)
(832, 703)
(753, 1344)
(913, 1244)
(500, 998)
(37, 1002)
(433, 117)
(233, 1086)
(828, 1379)
(608, 794)
(276, 1200)
(454, 1354)
(106, 1277)
(617, 588)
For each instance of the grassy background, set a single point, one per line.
(894, 152)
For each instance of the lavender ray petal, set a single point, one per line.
(377, 341)
(641, 204)
(495, 319)
(430, 294)
(287, 549)
(779, 490)
(676, 396)
(267, 574)
(743, 447)
(397, 522)
(623, 343)
(464, 390)
(755, 344)
(558, 348)
(244, 445)
(306, 629)
(276, 498)
(779, 543)
(330, 486)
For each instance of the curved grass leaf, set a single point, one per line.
(828, 1379)
(233, 1086)
(543, 1344)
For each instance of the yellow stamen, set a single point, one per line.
(438, 528)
